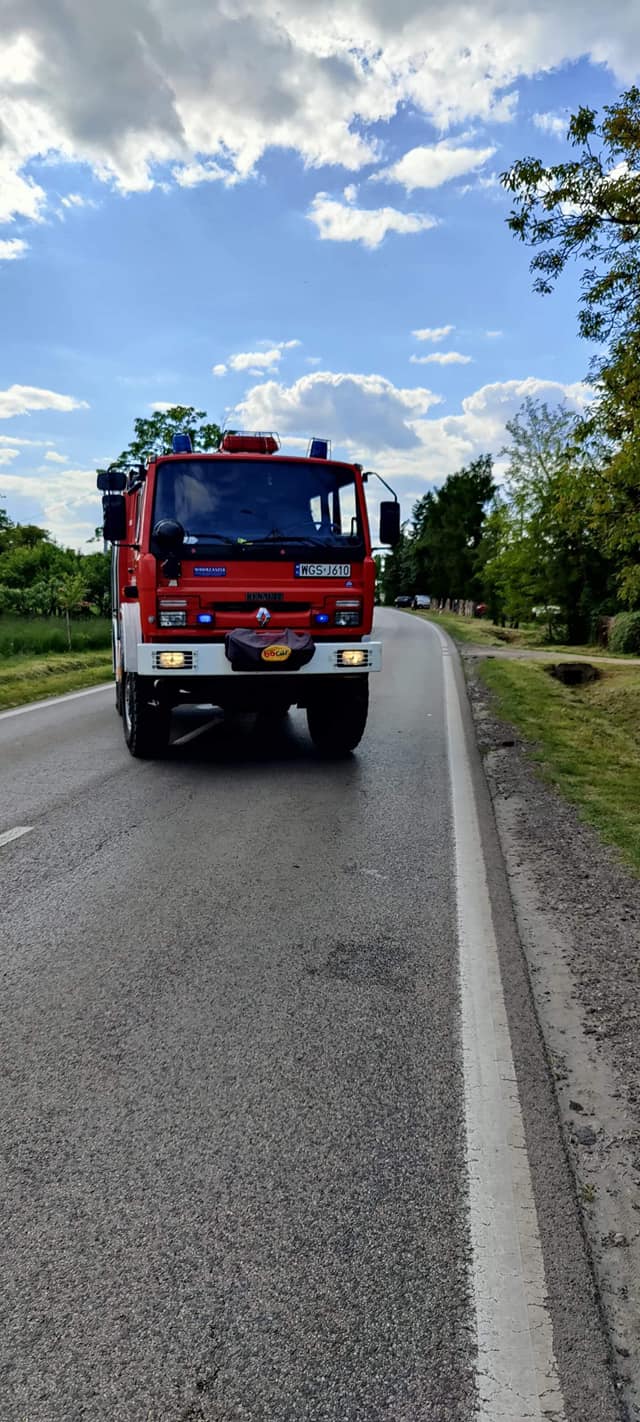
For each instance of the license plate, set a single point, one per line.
(323, 570)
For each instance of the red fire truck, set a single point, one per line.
(243, 579)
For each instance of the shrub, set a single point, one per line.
(625, 632)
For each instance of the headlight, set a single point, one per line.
(348, 612)
(171, 661)
(173, 619)
(353, 657)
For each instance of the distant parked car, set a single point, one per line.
(549, 610)
(421, 600)
(404, 601)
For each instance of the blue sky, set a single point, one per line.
(283, 195)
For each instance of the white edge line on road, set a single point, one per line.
(56, 700)
(16, 833)
(517, 1373)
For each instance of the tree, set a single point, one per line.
(589, 209)
(399, 572)
(71, 593)
(540, 544)
(96, 573)
(155, 434)
(448, 527)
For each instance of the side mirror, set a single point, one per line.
(390, 522)
(111, 481)
(168, 537)
(114, 514)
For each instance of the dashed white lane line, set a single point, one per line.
(16, 833)
(516, 1371)
(55, 700)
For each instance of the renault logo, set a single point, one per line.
(263, 616)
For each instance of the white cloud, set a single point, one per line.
(432, 165)
(76, 201)
(441, 358)
(20, 399)
(364, 411)
(161, 406)
(446, 443)
(12, 248)
(267, 357)
(33, 443)
(486, 412)
(366, 416)
(19, 196)
(256, 360)
(393, 429)
(433, 333)
(68, 503)
(140, 87)
(494, 335)
(351, 193)
(55, 458)
(554, 124)
(8, 455)
(340, 222)
(190, 175)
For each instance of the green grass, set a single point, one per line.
(585, 740)
(485, 634)
(39, 636)
(480, 633)
(25, 679)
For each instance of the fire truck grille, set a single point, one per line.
(250, 605)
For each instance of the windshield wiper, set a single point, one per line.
(218, 537)
(306, 538)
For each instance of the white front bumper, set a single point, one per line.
(211, 660)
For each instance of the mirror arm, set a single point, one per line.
(372, 474)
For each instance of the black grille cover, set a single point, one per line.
(268, 651)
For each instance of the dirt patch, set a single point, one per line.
(574, 673)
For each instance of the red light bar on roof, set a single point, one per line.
(243, 442)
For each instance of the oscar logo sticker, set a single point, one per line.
(276, 653)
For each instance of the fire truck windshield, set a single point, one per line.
(247, 501)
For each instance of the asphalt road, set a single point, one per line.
(237, 1094)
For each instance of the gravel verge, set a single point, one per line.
(578, 913)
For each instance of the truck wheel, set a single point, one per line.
(337, 719)
(146, 722)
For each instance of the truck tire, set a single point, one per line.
(337, 719)
(146, 722)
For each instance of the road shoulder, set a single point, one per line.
(578, 910)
